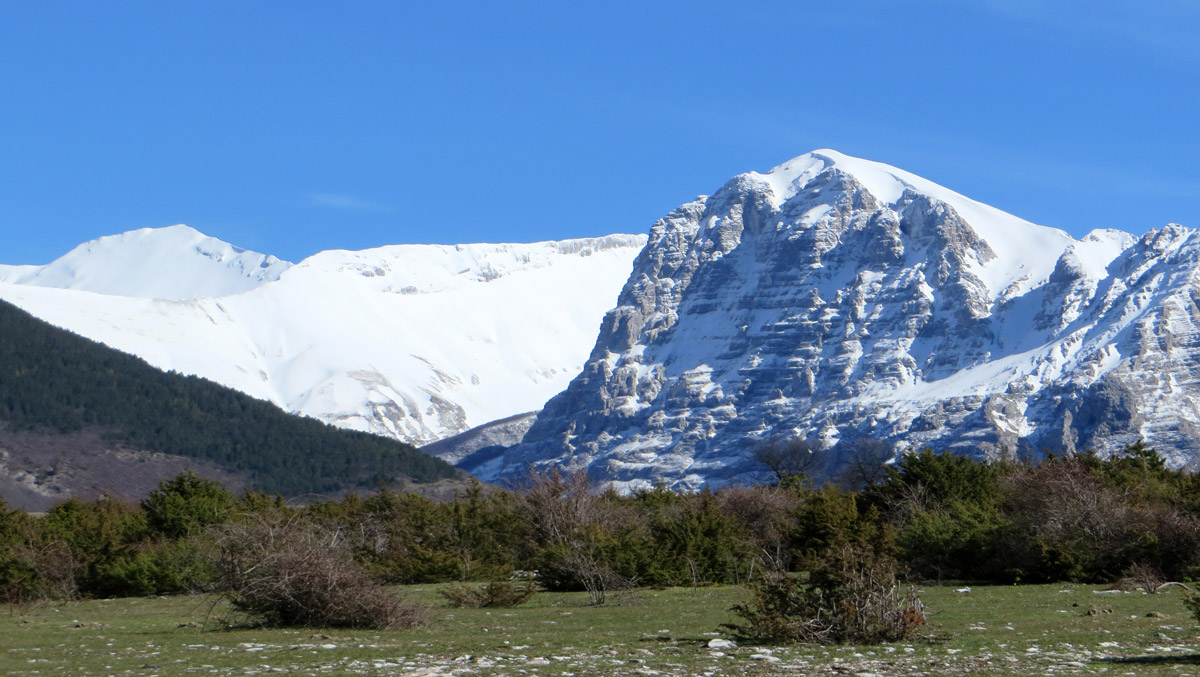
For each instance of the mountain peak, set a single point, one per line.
(1024, 253)
(175, 263)
(833, 299)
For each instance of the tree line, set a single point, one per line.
(55, 381)
(940, 516)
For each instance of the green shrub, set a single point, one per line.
(1191, 601)
(164, 568)
(186, 505)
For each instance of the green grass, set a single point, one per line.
(992, 630)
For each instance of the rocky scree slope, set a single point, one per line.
(834, 298)
(414, 342)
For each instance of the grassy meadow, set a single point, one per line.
(1016, 630)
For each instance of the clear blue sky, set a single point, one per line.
(292, 127)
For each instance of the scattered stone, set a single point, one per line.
(722, 644)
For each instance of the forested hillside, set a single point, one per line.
(54, 381)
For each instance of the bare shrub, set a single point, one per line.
(852, 597)
(766, 516)
(285, 571)
(493, 594)
(1147, 577)
(1067, 523)
(35, 571)
(574, 525)
(865, 462)
(791, 461)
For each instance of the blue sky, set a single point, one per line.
(292, 127)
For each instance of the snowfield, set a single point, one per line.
(416, 342)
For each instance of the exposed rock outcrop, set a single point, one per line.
(834, 298)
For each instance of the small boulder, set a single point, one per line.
(721, 644)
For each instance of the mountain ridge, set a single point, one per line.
(174, 263)
(801, 304)
(87, 409)
(415, 342)
(829, 298)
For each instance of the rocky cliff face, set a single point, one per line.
(834, 299)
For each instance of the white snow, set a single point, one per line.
(1098, 248)
(391, 340)
(176, 263)
(1025, 252)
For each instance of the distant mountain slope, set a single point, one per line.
(52, 382)
(417, 342)
(175, 263)
(834, 298)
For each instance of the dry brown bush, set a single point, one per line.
(1067, 523)
(573, 524)
(283, 570)
(767, 517)
(1147, 577)
(38, 571)
(852, 597)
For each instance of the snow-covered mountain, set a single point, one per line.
(834, 298)
(417, 342)
(176, 263)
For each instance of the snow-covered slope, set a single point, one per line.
(165, 263)
(417, 342)
(834, 298)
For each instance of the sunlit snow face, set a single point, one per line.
(415, 342)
